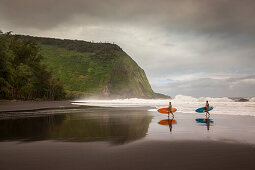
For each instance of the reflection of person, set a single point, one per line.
(207, 120)
(207, 108)
(170, 123)
(170, 109)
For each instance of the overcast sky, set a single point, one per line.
(189, 47)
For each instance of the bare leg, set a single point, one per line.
(208, 114)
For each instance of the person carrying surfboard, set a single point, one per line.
(170, 109)
(207, 107)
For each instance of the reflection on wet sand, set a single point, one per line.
(168, 122)
(205, 121)
(115, 127)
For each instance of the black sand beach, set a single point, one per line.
(125, 138)
(11, 106)
(145, 155)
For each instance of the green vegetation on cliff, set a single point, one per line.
(94, 69)
(22, 75)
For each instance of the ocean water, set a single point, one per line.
(184, 104)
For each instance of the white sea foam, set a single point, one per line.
(132, 102)
(184, 104)
(252, 99)
(182, 98)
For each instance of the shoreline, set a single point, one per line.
(15, 106)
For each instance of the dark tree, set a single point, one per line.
(22, 76)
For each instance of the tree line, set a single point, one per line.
(22, 75)
(77, 45)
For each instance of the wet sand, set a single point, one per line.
(126, 138)
(11, 106)
(141, 155)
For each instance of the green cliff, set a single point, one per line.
(94, 69)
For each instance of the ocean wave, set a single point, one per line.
(184, 104)
(252, 99)
(182, 98)
(133, 102)
(136, 102)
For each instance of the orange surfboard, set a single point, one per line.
(166, 111)
(167, 122)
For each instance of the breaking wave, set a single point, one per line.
(252, 99)
(182, 98)
(184, 104)
(134, 102)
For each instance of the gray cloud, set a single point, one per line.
(170, 39)
(222, 16)
(230, 87)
